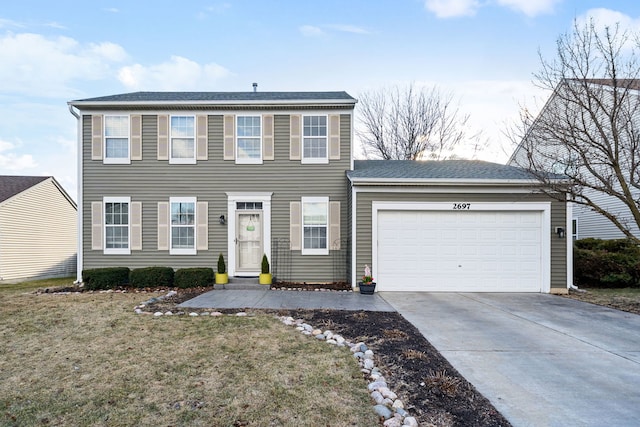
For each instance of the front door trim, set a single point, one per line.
(232, 199)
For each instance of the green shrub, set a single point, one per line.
(265, 265)
(222, 267)
(105, 278)
(606, 263)
(151, 277)
(192, 277)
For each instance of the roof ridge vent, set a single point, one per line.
(255, 87)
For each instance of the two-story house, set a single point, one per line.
(176, 178)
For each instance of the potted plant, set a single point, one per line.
(367, 286)
(265, 276)
(222, 277)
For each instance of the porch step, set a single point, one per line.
(243, 283)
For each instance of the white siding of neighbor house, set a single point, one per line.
(593, 224)
(38, 234)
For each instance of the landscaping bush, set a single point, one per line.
(105, 278)
(606, 263)
(192, 277)
(151, 277)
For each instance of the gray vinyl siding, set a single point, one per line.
(38, 234)
(151, 181)
(364, 223)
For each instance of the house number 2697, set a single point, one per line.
(461, 206)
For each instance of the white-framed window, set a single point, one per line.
(574, 229)
(315, 226)
(249, 139)
(182, 148)
(116, 139)
(182, 236)
(314, 139)
(117, 225)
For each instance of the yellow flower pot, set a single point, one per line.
(222, 278)
(265, 278)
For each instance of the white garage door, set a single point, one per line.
(464, 251)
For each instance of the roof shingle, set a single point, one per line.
(154, 97)
(12, 185)
(432, 169)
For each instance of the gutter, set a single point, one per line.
(79, 257)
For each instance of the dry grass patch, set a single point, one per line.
(87, 359)
(625, 299)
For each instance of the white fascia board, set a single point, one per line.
(442, 181)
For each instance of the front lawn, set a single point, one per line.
(625, 299)
(87, 359)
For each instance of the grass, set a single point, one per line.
(87, 359)
(625, 299)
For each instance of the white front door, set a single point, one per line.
(248, 241)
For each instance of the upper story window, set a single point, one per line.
(314, 139)
(116, 139)
(315, 224)
(183, 139)
(183, 226)
(116, 225)
(248, 139)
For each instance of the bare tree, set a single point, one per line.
(589, 130)
(409, 123)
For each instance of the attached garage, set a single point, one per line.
(471, 227)
(431, 248)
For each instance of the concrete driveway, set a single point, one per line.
(542, 360)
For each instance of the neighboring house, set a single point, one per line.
(176, 178)
(38, 229)
(585, 222)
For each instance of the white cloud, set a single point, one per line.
(609, 18)
(111, 9)
(452, 8)
(55, 25)
(530, 8)
(6, 23)
(311, 31)
(348, 29)
(177, 74)
(13, 162)
(36, 65)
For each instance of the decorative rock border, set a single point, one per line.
(387, 405)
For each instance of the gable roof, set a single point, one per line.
(228, 98)
(13, 185)
(410, 171)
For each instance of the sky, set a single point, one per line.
(484, 52)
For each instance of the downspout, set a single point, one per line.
(79, 257)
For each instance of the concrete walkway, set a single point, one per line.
(542, 360)
(260, 298)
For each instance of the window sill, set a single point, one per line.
(315, 251)
(119, 161)
(182, 161)
(117, 252)
(183, 252)
(315, 161)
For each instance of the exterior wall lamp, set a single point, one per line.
(560, 232)
(222, 220)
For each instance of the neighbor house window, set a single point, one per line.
(314, 139)
(116, 225)
(574, 229)
(183, 139)
(116, 139)
(315, 221)
(183, 226)
(248, 139)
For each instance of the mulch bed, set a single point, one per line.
(432, 390)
